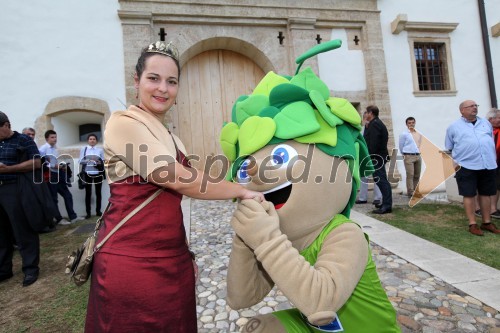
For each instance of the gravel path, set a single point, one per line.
(424, 303)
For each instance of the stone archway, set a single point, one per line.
(65, 114)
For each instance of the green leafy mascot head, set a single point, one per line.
(298, 108)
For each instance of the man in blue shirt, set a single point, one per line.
(13, 221)
(470, 140)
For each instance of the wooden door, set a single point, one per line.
(209, 85)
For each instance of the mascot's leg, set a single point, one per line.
(264, 324)
(286, 321)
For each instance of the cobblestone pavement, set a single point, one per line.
(424, 303)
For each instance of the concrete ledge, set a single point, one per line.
(474, 278)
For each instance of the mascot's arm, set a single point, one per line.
(247, 282)
(317, 291)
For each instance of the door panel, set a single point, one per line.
(209, 84)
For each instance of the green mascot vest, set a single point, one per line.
(368, 310)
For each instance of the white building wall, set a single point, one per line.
(54, 48)
(434, 114)
(342, 69)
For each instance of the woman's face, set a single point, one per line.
(92, 141)
(157, 87)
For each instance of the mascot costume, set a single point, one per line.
(303, 149)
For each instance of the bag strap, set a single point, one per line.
(177, 154)
(122, 222)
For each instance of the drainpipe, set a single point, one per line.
(487, 53)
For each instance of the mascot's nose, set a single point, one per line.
(253, 171)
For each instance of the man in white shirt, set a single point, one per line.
(57, 180)
(409, 147)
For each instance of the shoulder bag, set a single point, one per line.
(81, 174)
(79, 264)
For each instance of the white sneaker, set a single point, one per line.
(76, 219)
(64, 222)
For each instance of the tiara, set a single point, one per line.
(166, 49)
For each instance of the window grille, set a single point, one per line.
(431, 66)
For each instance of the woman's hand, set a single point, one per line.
(248, 194)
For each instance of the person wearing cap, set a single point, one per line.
(409, 146)
(13, 222)
(143, 277)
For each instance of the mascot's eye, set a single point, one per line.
(242, 174)
(282, 154)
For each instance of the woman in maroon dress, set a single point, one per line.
(143, 278)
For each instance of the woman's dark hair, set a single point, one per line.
(141, 62)
(408, 119)
(92, 135)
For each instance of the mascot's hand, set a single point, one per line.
(255, 222)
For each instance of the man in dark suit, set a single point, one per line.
(13, 221)
(376, 137)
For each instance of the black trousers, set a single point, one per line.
(15, 226)
(97, 181)
(380, 177)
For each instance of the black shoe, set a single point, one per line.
(87, 216)
(382, 211)
(496, 214)
(98, 214)
(5, 277)
(30, 279)
(379, 205)
(47, 229)
(478, 213)
(376, 202)
(361, 201)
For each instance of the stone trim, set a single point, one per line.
(67, 104)
(495, 30)
(401, 23)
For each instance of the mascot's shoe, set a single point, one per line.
(29, 279)
(474, 229)
(490, 227)
(382, 210)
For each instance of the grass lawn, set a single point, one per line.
(446, 225)
(53, 304)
